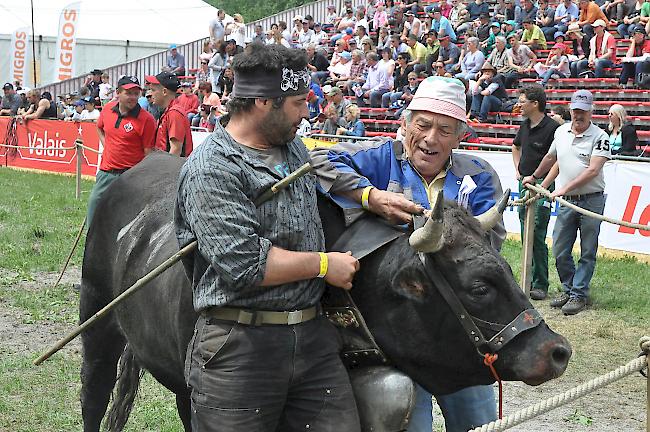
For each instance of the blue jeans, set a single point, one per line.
(482, 105)
(547, 76)
(625, 30)
(632, 70)
(575, 281)
(376, 98)
(463, 410)
(390, 97)
(318, 76)
(599, 66)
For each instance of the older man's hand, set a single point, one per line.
(393, 207)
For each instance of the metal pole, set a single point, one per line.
(33, 46)
(282, 184)
(527, 247)
(79, 149)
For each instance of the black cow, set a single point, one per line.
(133, 232)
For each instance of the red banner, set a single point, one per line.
(49, 145)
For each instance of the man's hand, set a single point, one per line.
(341, 269)
(393, 207)
(528, 180)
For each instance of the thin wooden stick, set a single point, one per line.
(74, 246)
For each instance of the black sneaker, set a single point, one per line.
(560, 300)
(538, 294)
(574, 306)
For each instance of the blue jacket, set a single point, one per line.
(384, 165)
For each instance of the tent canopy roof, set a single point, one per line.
(162, 21)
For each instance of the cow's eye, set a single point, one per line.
(479, 291)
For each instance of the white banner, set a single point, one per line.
(628, 198)
(66, 41)
(19, 56)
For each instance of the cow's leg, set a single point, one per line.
(102, 346)
(184, 410)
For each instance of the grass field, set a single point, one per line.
(39, 219)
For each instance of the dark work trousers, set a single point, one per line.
(540, 250)
(268, 378)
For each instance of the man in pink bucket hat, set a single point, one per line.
(399, 179)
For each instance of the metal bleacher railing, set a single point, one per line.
(152, 64)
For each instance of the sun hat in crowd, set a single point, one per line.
(440, 95)
(559, 34)
(598, 23)
(574, 28)
(582, 100)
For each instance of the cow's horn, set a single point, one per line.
(429, 238)
(492, 217)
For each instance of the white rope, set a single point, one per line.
(546, 193)
(570, 395)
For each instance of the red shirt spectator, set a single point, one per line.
(126, 136)
(173, 123)
(188, 100)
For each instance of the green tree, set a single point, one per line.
(253, 10)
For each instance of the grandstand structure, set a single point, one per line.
(501, 127)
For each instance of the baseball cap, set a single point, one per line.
(441, 95)
(435, 9)
(495, 24)
(408, 13)
(348, 31)
(8, 86)
(87, 100)
(96, 72)
(582, 100)
(598, 23)
(639, 29)
(172, 46)
(186, 84)
(165, 79)
(80, 102)
(346, 55)
(484, 16)
(128, 82)
(311, 94)
(334, 90)
(512, 23)
(560, 45)
(297, 18)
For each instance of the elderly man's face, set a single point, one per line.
(581, 120)
(429, 139)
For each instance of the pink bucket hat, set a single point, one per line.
(440, 95)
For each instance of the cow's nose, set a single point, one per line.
(560, 355)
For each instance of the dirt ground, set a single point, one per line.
(600, 344)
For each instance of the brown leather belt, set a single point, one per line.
(252, 317)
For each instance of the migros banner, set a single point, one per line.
(66, 42)
(19, 56)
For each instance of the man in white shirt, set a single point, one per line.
(217, 27)
(413, 25)
(305, 34)
(319, 37)
(581, 149)
(89, 113)
(377, 83)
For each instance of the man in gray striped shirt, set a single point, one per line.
(262, 357)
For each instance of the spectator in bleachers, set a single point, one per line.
(633, 17)
(383, 39)
(560, 37)
(148, 105)
(208, 97)
(488, 94)
(637, 58)
(338, 103)
(358, 71)
(400, 79)
(89, 114)
(580, 48)
(560, 114)
(40, 106)
(523, 58)
(454, 13)
(339, 71)
(92, 83)
(314, 106)
(175, 61)
(442, 25)
(510, 28)
(188, 101)
(346, 21)
(483, 28)
(501, 59)
(377, 82)
(331, 17)
(215, 67)
(278, 39)
(226, 82)
(439, 70)
(367, 46)
(602, 49)
(412, 26)
(105, 90)
(361, 20)
(500, 11)
(388, 62)
(532, 142)
(319, 37)
(407, 94)
(205, 116)
(471, 60)
(533, 36)
(476, 8)
(528, 11)
(202, 74)
(360, 34)
(305, 35)
(217, 28)
(236, 30)
(259, 35)
(10, 102)
(418, 54)
(297, 27)
(397, 46)
(614, 10)
(556, 65)
(565, 13)
(488, 44)
(310, 21)
(465, 23)
(77, 109)
(545, 19)
(433, 50)
(207, 52)
(380, 18)
(449, 53)
(317, 63)
(284, 32)
(353, 125)
(622, 134)
(589, 14)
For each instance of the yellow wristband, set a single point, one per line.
(365, 195)
(324, 262)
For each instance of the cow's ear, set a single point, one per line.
(411, 286)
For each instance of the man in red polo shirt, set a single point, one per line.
(173, 134)
(126, 133)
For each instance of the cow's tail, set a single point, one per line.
(125, 391)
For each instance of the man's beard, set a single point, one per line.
(277, 128)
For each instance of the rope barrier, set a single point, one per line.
(37, 148)
(570, 395)
(546, 193)
(90, 149)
